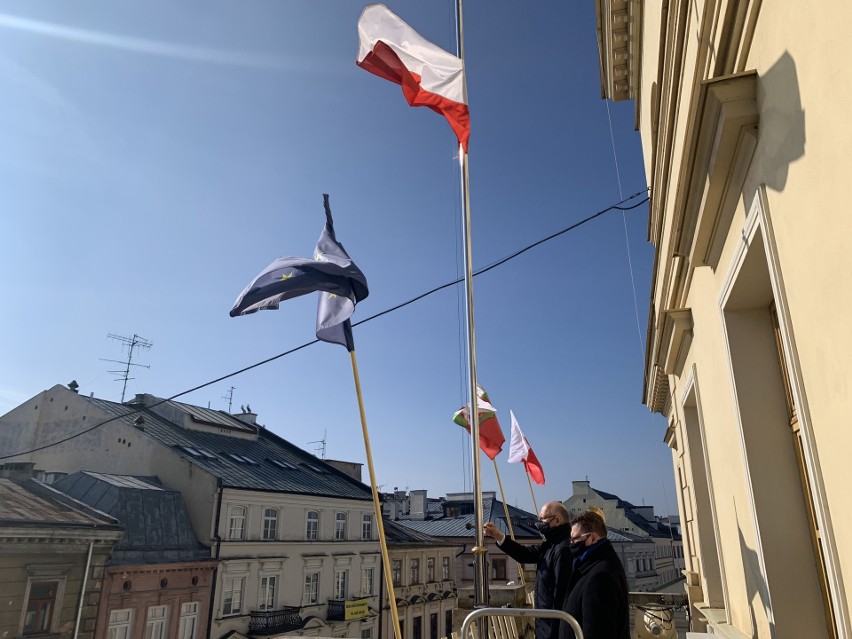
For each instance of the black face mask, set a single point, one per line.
(577, 547)
(543, 527)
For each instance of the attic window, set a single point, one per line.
(281, 464)
(240, 459)
(191, 451)
(206, 454)
(316, 469)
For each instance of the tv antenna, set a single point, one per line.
(229, 395)
(320, 450)
(132, 343)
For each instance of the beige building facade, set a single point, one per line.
(743, 112)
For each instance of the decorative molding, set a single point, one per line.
(619, 26)
(676, 340)
(718, 156)
(658, 391)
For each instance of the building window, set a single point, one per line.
(433, 626)
(417, 628)
(367, 581)
(367, 527)
(41, 606)
(340, 527)
(268, 588)
(430, 569)
(237, 522)
(396, 572)
(232, 596)
(188, 620)
(498, 568)
(312, 525)
(366, 633)
(156, 626)
(340, 584)
(120, 624)
(448, 620)
(415, 571)
(270, 524)
(445, 568)
(311, 588)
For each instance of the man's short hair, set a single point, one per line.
(590, 522)
(558, 508)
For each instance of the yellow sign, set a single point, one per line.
(356, 609)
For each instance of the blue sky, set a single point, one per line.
(157, 155)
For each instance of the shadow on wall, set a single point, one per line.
(756, 587)
(782, 121)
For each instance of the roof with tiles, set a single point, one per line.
(397, 534)
(263, 461)
(156, 523)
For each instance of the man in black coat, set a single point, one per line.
(552, 559)
(597, 590)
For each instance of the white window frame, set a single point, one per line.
(268, 594)
(367, 527)
(414, 571)
(341, 578)
(53, 619)
(367, 581)
(120, 628)
(157, 626)
(312, 525)
(311, 590)
(445, 568)
(188, 628)
(232, 585)
(270, 524)
(237, 516)
(340, 527)
(430, 569)
(396, 572)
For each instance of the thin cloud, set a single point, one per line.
(146, 46)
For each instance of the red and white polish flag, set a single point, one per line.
(520, 451)
(429, 76)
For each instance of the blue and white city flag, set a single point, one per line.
(332, 272)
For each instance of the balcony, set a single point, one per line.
(270, 622)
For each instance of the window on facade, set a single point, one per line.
(340, 527)
(340, 584)
(237, 522)
(366, 633)
(396, 572)
(415, 571)
(120, 624)
(268, 588)
(498, 568)
(448, 620)
(417, 628)
(430, 569)
(232, 595)
(311, 587)
(270, 524)
(367, 581)
(433, 626)
(41, 606)
(445, 568)
(156, 625)
(312, 525)
(367, 527)
(188, 620)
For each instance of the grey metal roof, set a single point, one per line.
(398, 535)
(268, 462)
(31, 502)
(156, 523)
(654, 529)
(523, 522)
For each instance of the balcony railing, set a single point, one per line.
(336, 610)
(270, 622)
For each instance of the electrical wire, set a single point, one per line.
(614, 207)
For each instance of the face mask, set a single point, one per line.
(577, 547)
(542, 526)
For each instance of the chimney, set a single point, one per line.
(18, 471)
(418, 504)
(581, 487)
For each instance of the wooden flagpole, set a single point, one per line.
(376, 504)
(529, 481)
(508, 518)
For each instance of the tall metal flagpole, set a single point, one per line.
(480, 579)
